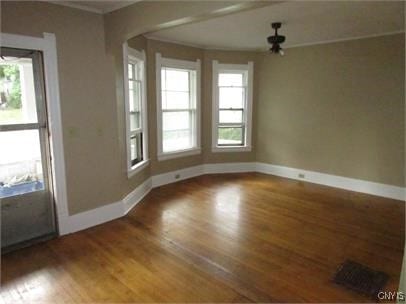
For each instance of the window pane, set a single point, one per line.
(130, 71)
(135, 121)
(20, 163)
(175, 100)
(175, 80)
(176, 120)
(135, 95)
(177, 134)
(17, 91)
(230, 136)
(228, 80)
(137, 71)
(176, 140)
(231, 116)
(231, 98)
(136, 149)
(135, 105)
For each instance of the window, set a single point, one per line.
(232, 107)
(178, 104)
(135, 109)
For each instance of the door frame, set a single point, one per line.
(47, 45)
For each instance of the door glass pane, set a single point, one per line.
(20, 163)
(177, 133)
(231, 98)
(230, 136)
(17, 91)
(228, 80)
(228, 116)
(175, 100)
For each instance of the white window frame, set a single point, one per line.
(160, 63)
(229, 68)
(134, 56)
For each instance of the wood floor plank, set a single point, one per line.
(217, 238)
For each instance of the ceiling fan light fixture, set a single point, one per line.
(276, 40)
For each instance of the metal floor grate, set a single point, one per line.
(360, 278)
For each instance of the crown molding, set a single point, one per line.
(76, 4)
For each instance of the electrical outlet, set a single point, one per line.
(301, 175)
(177, 176)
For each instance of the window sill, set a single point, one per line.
(137, 168)
(231, 149)
(176, 154)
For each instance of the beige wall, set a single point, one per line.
(91, 88)
(336, 108)
(86, 79)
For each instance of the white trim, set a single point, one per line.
(177, 64)
(135, 196)
(343, 39)
(229, 168)
(183, 153)
(93, 217)
(22, 42)
(77, 6)
(175, 176)
(335, 181)
(93, 9)
(140, 57)
(138, 168)
(228, 149)
(118, 209)
(48, 46)
(249, 69)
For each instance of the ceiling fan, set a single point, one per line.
(276, 40)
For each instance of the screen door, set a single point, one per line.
(27, 208)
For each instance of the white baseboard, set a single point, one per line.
(135, 196)
(228, 168)
(175, 176)
(90, 218)
(87, 219)
(335, 181)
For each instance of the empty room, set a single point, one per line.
(202, 151)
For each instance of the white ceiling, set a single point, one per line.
(100, 6)
(303, 23)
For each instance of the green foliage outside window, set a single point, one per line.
(11, 74)
(230, 134)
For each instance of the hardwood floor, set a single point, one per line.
(217, 238)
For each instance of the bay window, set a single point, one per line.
(178, 107)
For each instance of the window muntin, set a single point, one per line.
(178, 104)
(135, 108)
